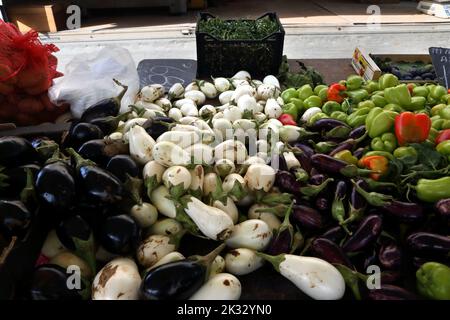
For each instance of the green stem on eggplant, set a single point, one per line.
(118, 99)
(85, 249)
(373, 185)
(351, 279)
(79, 160)
(314, 190)
(277, 199)
(274, 260)
(134, 187)
(298, 241)
(373, 198)
(28, 192)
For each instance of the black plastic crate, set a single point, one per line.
(217, 57)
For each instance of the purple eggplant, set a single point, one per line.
(390, 277)
(429, 243)
(348, 144)
(443, 207)
(305, 149)
(328, 164)
(305, 161)
(282, 165)
(307, 217)
(338, 206)
(287, 182)
(327, 124)
(369, 258)
(317, 179)
(391, 292)
(335, 234)
(368, 231)
(406, 212)
(16, 151)
(322, 203)
(329, 251)
(314, 190)
(390, 256)
(282, 242)
(358, 132)
(358, 153)
(357, 204)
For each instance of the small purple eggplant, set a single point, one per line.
(390, 256)
(327, 124)
(335, 234)
(322, 203)
(284, 238)
(307, 217)
(330, 165)
(429, 243)
(358, 132)
(391, 292)
(329, 251)
(368, 231)
(286, 181)
(443, 207)
(406, 212)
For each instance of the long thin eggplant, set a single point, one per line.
(428, 243)
(307, 217)
(358, 153)
(357, 132)
(390, 256)
(97, 183)
(287, 182)
(303, 155)
(327, 124)
(391, 292)
(368, 231)
(329, 251)
(16, 151)
(282, 165)
(406, 212)
(335, 234)
(15, 218)
(104, 108)
(328, 164)
(357, 204)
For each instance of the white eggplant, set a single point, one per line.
(217, 266)
(152, 174)
(165, 227)
(133, 122)
(260, 177)
(115, 136)
(176, 91)
(315, 277)
(233, 113)
(211, 183)
(189, 110)
(175, 114)
(182, 139)
(244, 124)
(262, 146)
(222, 84)
(164, 205)
(141, 145)
(201, 153)
(208, 89)
(291, 160)
(66, 259)
(212, 222)
(247, 103)
(169, 154)
(118, 280)
(272, 80)
(223, 286)
(170, 257)
(234, 186)
(266, 91)
(229, 208)
(145, 214)
(222, 126)
(260, 117)
(272, 109)
(192, 86)
(197, 180)
(242, 75)
(207, 111)
(177, 179)
(232, 150)
(198, 97)
(242, 261)
(225, 97)
(148, 106)
(309, 113)
(243, 90)
(251, 234)
(224, 167)
(164, 103)
(52, 245)
(290, 133)
(181, 102)
(279, 99)
(152, 92)
(153, 248)
(255, 212)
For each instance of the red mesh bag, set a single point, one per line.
(27, 68)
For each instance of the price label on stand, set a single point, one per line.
(441, 63)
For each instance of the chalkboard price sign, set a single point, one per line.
(441, 63)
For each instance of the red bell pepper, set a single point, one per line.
(444, 135)
(410, 127)
(287, 119)
(380, 164)
(336, 92)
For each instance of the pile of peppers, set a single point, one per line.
(392, 144)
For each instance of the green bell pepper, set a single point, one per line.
(312, 101)
(354, 82)
(339, 115)
(305, 91)
(288, 94)
(331, 106)
(319, 88)
(379, 121)
(437, 92)
(387, 80)
(358, 95)
(431, 101)
(378, 100)
(444, 148)
(437, 108)
(291, 109)
(445, 99)
(399, 95)
(317, 116)
(421, 91)
(445, 113)
(393, 107)
(440, 124)
(372, 86)
(358, 118)
(323, 94)
(347, 156)
(408, 154)
(298, 104)
(366, 104)
(433, 281)
(386, 142)
(417, 103)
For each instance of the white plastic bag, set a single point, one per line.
(87, 81)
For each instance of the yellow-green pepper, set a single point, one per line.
(399, 95)
(317, 116)
(437, 92)
(312, 101)
(305, 91)
(417, 103)
(331, 106)
(346, 156)
(372, 86)
(291, 109)
(387, 80)
(433, 190)
(288, 94)
(319, 88)
(323, 94)
(437, 108)
(298, 104)
(421, 91)
(339, 115)
(378, 100)
(379, 121)
(386, 142)
(358, 118)
(433, 281)
(406, 153)
(354, 82)
(445, 113)
(366, 104)
(393, 107)
(444, 148)
(358, 95)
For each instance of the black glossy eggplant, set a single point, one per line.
(307, 217)
(287, 182)
(15, 218)
(304, 148)
(123, 166)
(50, 281)
(303, 155)
(329, 251)
(55, 186)
(391, 292)
(330, 165)
(428, 243)
(177, 280)
(109, 124)
(283, 240)
(369, 258)
(406, 212)
(390, 256)
(16, 179)
(157, 126)
(365, 235)
(97, 183)
(83, 132)
(101, 151)
(335, 234)
(104, 108)
(120, 234)
(282, 165)
(44, 147)
(15, 151)
(443, 207)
